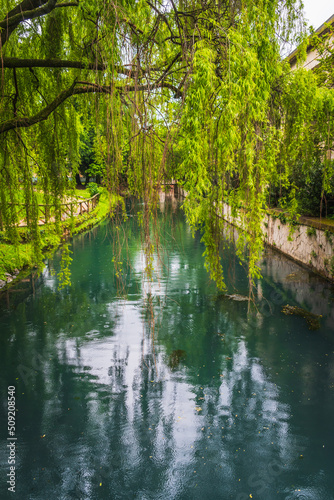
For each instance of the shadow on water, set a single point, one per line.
(228, 405)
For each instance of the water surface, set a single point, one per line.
(222, 405)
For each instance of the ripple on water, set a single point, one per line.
(304, 493)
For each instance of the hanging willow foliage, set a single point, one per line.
(199, 81)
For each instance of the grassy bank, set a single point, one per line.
(22, 256)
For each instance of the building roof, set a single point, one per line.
(322, 30)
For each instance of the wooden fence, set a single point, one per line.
(46, 213)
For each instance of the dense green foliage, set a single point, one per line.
(307, 180)
(194, 90)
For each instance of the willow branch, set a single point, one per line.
(161, 15)
(28, 14)
(169, 67)
(131, 88)
(42, 115)
(26, 10)
(67, 4)
(15, 62)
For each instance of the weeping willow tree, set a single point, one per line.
(201, 80)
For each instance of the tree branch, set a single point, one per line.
(67, 4)
(161, 85)
(25, 5)
(15, 62)
(164, 74)
(28, 9)
(161, 15)
(42, 115)
(133, 26)
(130, 88)
(28, 14)
(26, 121)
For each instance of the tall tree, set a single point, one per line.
(201, 77)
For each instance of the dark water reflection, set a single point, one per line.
(245, 412)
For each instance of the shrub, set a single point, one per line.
(93, 188)
(307, 179)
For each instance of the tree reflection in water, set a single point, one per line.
(222, 406)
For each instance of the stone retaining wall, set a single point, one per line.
(307, 245)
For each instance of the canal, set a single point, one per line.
(129, 389)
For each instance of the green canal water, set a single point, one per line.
(223, 405)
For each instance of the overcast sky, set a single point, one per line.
(318, 11)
